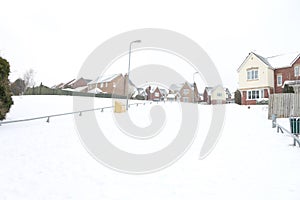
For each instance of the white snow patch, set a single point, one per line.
(42, 160)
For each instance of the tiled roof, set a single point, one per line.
(178, 86)
(104, 78)
(279, 61)
(262, 59)
(283, 60)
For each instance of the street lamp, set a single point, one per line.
(194, 84)
(135, 41)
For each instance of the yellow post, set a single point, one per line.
(119, 107)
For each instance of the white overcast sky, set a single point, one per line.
(55, 37)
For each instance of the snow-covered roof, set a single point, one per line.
(171, 96)
(263, 59)
(283, 60)
(163, 91)
(95, 91)
(178, 86)
(71, 82)
(209, 90)
(59, 86)
(104, 78)
(68, 83)
(291, 82)
(80, 89)
(152, 89)
(277, 61)
(139, 91)
(68, 89)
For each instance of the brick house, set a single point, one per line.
(73, 84)
(286, 72)
(139, 93)
(164, 93)
(111, 84)
(81, 82)
(154, 94)
(207, 95)
(58, 86)
(172, 97)
(186, 92)
(261, 76)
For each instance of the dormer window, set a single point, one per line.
(252, 74)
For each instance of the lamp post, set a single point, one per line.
(135, 41)
(194, 85)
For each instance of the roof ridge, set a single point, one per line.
(276, 55)
(283, 54)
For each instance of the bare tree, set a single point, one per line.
(29, 78)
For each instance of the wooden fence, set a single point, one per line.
(284, 105)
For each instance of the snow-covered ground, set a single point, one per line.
(40, 160)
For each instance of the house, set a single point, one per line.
(73, 84)
(163, 93)
(111, 84)
(139, 93)
(207, 95)
(81, 89)
(58, 86)
(216, 95)
(68, 84)
(228, 96)
(172, 97)
(200, 97)
(95, 91)
(187, 92)
(286, 70)
(261, 76)
(153, 94)
(81, 82)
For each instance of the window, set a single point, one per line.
(101, 85)
(252, 74)
(219, 94)
(156, 94)
(185, 99)
(106, 84)
(262, 94)
(255, 94)
(279, 79)
(186, 91)
(114, 84)
(297, 71)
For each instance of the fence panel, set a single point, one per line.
(284, 105)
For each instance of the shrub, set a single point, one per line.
(238, 97)
(5, 93)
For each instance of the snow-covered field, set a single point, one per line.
(40, 160)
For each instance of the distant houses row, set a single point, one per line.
(259, 77)
(107, 84)
(117, 84)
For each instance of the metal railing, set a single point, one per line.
(285, 131)
(63, 114)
